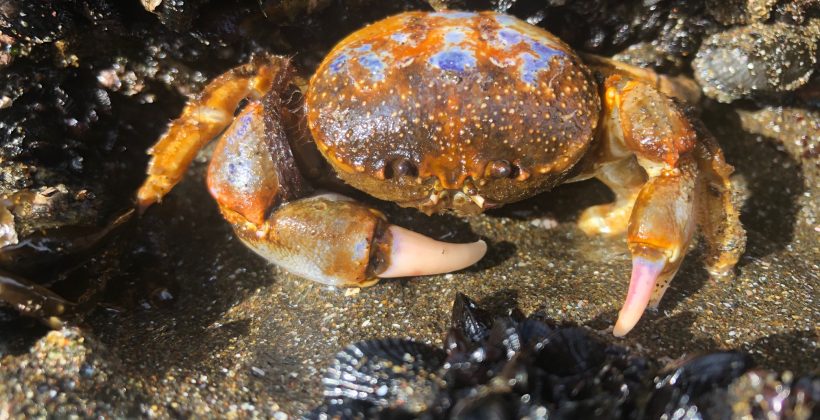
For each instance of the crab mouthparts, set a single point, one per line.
(455, 200)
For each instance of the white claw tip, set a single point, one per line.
(413, 254)
(623, 326)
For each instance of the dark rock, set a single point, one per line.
(740, 12)
(759, 60)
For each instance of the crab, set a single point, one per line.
(450, 111)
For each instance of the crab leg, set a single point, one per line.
(642, 122)
(202, 119)
(334, 240)
(625, 178)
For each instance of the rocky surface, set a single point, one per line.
(192, 323)
(757, 60)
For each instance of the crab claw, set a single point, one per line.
(331, 239)
(413, 254)
(647, 268)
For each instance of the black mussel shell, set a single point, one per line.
(470, 320)
(698, 385)
(531, 368)
(579, 376)
(397, 375)
(507, 368)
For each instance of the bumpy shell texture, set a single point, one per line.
(481, 102)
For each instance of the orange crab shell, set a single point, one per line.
(478, 103)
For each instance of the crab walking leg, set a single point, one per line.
(718, 218)
(326, 238)
(203, 118)
(625, 178)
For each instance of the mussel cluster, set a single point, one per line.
(503, 367)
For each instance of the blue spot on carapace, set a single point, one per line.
(364, 48)
(454, 15)
(543, 50)
(400, 37)
(530, 67)
(532, 64)
(505, 20)
(453, 59)
(510, 37)
(338, 63)
(374, 64)
(454, 37)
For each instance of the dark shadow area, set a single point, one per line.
(654, 325)
(181, 271)
(691, 277)
(58, 274)
(502, 303)
(602, 321)
(795, 351)
(444, 227)
(18, 333)
(652, 328)
(564, 203)
(497, 253)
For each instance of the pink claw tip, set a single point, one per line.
(413, 254)
(645, 274)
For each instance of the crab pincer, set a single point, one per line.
(274, 210)
(677, 181)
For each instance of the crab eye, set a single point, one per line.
(400, 167)
(500, 169)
